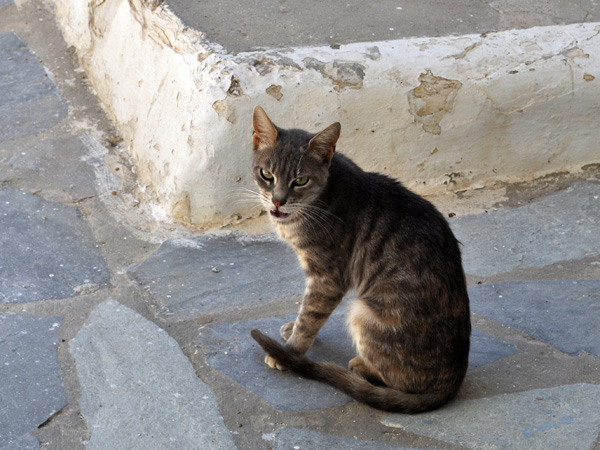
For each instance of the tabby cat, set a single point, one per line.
(358, 230)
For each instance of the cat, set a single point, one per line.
(352, 229)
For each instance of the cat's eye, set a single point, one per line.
(300, 181)
(266, 175)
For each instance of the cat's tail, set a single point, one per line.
(357, 387)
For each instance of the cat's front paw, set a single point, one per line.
(272, 363)
(286, 330)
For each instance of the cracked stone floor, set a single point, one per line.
(120, 332)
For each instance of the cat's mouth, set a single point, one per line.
(277, 214)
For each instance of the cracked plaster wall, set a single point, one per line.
(441, 113)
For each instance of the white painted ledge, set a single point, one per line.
(443, 113)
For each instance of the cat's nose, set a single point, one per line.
(278, 203)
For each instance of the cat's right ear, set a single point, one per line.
(264, 134)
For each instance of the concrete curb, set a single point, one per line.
(437, 113)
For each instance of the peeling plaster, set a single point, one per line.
(575, 52)
(373, 53)
(181, 207)
(234, 88)
(463, 54)
(274, 91)
(222, 107)
(343, 74)
(431, 100)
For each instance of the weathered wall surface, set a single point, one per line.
(441, 113)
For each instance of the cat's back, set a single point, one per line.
(373, 199)
(390, 229)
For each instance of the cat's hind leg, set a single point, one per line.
(361, 318)
(358, 365)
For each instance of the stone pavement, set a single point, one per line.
(118, 331)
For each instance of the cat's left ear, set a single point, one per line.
(323, 144)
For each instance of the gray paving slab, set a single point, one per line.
(48, 250)
(30, 102)
(138, 390)
(560, 227)
(31, 388)
(229, 350)
(486, 349)
(265, 24)
(288, 438)
(564, 314)
(85, 175)
(25, 442)
(559, 418)
(218, 272)
(47, 158)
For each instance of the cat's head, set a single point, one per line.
(291, 167)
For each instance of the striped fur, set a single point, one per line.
(364, 231)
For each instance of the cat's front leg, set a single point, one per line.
(316, 308)
(285, 331)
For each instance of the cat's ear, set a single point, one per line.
(323, 144)
(265, 133)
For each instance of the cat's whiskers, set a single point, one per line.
(323, 212)
(316, 224)
(316, 218)
(254, 200)
(244, 195)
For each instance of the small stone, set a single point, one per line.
(87, 288)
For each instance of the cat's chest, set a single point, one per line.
(314, 255)
(299, 242)
(291, 234)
